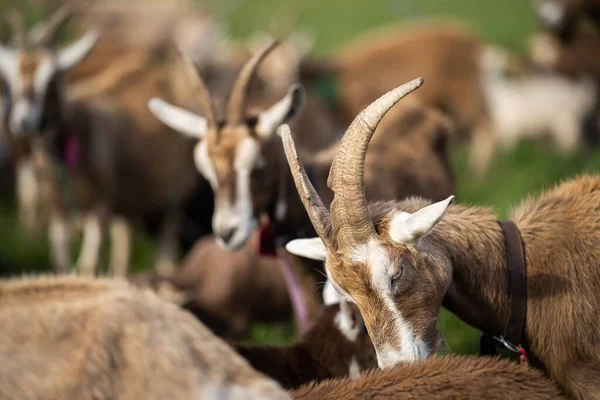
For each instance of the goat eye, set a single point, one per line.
(396, 278)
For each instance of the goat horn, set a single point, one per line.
(200, 89)
(239, 93)
(14, 20)
(317, 212)
(349, 211)
(46, 33)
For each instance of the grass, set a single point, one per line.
(514, 175)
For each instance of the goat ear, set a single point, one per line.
(406, 228)
(281, 112)
(308, 248)
(181, 120)
(76, 52)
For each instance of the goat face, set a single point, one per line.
(374, 255)
(31, 71)
(236, 156)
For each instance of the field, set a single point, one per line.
(514, 175)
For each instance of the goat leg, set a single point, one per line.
(120, 246)
(60, 242)
(92, 243)
(167, 247)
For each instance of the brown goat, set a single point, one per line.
(564, 18)
(108, 141)
(229, 290)
(440, 378)
(578, 58)
(100, 339)
(447, 55)
(400, 261)
(409, 138)
(336, 346)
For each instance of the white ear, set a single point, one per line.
(406, 227)
(308, 248)
(77, 51)
(181, 120)
(281, 112)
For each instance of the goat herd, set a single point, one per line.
(102, 139)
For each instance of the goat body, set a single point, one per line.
(78, 338)
(336, 346)
(439, 378)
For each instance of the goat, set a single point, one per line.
(73, 337)
(564, 17)
(536, 104)
(400, 261)
(144, 29)
(420, 136)
(239, 157)
(439, 378)
(107, 144)
(336, 346)
(579, 58)
(227, 290)
(446, 54)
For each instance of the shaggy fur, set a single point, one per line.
(325, 352)
(439, 378)
(78, 338)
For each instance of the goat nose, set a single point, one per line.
(227, 234)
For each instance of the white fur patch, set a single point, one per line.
(551, 13)
(354, 368)
(381, 270)
(239, 216)
(343, 321)
(204, 165)
(330, 295)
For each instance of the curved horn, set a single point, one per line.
(14, 20)
(44, 35)
(237, 101)
(317, 212)
(200, 89)
(349, 211)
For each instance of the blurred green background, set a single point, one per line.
(514, 175)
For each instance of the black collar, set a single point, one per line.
(517, 287)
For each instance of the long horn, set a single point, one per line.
(46, 33)
(200, 89)
(317, 212)
(239, 93)
(349, 211)
(14, 20)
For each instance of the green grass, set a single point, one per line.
(514, 175)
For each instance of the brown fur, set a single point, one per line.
(409, 137)
(323, 353)
(445, 55)
(462, 262)
(230, 290)
(576, 13)
(99, 339)
(439, 378)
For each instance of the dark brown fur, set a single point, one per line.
(323, 353)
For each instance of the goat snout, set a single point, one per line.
(227, 234)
